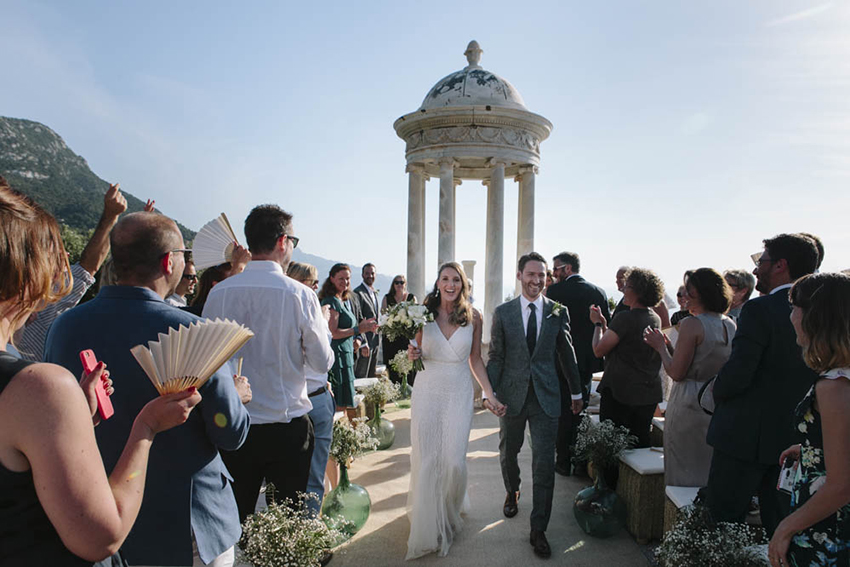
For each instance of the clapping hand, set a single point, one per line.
(368, 326)
(655, 338)
(596, 315)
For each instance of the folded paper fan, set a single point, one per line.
(188, 356)
(213, 245)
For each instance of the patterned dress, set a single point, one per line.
(828, 541)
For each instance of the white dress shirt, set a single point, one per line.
(290, 338)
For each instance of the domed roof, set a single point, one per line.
(473, 85)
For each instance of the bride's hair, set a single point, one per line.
(462, 313)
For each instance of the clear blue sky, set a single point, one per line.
(685, 132)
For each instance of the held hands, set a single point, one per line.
(492, 403)
(90, 382)
(164, 412)
(243, 388)
(414, 353)
(368, 326)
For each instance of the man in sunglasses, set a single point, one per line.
(186, 285)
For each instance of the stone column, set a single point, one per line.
(416, 231)
(493, 282)
(525, 214)
(446, 249)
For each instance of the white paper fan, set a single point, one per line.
(188, 356)
(213, 244)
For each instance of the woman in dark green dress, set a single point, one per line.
(817, 532)
(344, 328)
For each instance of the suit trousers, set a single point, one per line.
(733, 482)
(568, 423)
(280, 454)
(544, 430)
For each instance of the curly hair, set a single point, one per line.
(462, 313)
(711, 288)
(647, 286)
(329, 288)
(825, 301)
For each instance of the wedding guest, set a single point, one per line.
(704, 345)
(818, 244)
(344, 328)
(57, 505)
(189, 502)
(396, 294)
(756, 391)
(550, 279)
(366, 297)
(742, 284)
(631, 385)
(30, 341)
(818, 530)
(290, 339)
(683, 312)
(660, 308)
(322, 414)
(186, 286)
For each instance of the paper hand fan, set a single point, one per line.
(188, 356)
(213, 245)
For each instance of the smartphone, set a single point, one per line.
(104, 404)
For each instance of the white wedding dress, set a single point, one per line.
(441, 417)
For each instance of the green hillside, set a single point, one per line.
(36, 161)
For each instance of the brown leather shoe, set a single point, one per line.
(541, 544)
(511, 507)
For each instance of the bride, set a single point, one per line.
(441, 413)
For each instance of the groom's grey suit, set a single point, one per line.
(528, 384)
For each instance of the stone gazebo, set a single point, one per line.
(472, 124)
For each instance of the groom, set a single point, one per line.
(529, 336)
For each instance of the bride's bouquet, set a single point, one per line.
(404, 320)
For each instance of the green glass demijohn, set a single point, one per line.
(598, 510)
(383, 430)
(346, 508)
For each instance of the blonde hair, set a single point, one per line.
(32, 256)
(462, 313)
(303, 272)
(825, 301)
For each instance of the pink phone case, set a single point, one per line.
(104, 404)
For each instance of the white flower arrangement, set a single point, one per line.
(602, 443)
(696, 541)
(557, 309)
(350, 440)
(287, 534)
(401, 364)
(382, 391)
(404, 320)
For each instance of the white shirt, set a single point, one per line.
(290, 338)
(781, 287)
(538, 304)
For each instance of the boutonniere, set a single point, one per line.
(557, 309)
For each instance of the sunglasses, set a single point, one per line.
(295, 240)
(398, 283)
(184, 250)
(190, 277)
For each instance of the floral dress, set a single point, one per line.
(828, 541)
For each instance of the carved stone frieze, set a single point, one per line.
(521, 139)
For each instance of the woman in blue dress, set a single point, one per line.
(335, 294)
(818, 530)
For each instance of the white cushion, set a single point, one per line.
(644, 461)
(681, 495)
(360, 383)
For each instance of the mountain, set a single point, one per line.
(36, 161)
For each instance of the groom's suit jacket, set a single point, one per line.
(510, 366)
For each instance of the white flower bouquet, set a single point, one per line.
(350, 440)
(404, 320)
(286, 534)
(382, 391)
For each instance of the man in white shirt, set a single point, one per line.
(290, 339)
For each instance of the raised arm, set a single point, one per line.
(604, 339)
(97, 248)
(45, 417)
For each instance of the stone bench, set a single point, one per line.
(677, 497)
(641, 486)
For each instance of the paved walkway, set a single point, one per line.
(488, 538)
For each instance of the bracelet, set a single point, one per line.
(599, 324)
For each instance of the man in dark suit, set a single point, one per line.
(188, 496)
(757, 390)
(369, 304)
(577, 294)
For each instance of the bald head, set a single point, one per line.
(139, 241)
